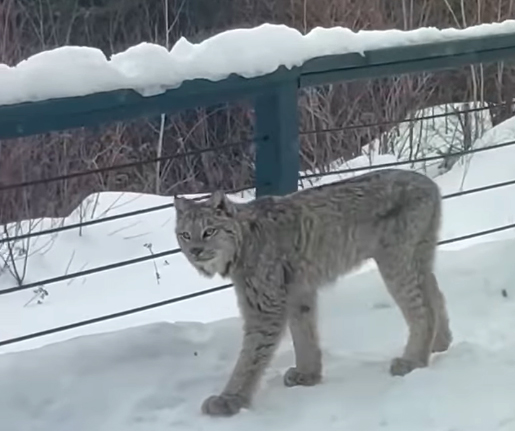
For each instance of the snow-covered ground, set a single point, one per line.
(154, 377)
(152, 370)
(151, 69)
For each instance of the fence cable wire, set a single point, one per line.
(114, 315)
(177, 250)
(408, 162)
(166, 253)
(191, 296)
(4, 238)
(407, 120)
(123, 263)
(89, 271)
(126, 165)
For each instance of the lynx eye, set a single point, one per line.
(209, 232)
(185, 236)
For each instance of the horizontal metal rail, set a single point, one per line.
(91, 110)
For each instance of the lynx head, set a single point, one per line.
(208, 233)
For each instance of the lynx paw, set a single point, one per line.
(403, 366)
(442, 342)
(223, 405)
(293, 377)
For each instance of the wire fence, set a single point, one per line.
(171, 252)
(409, 162)
(129, 165)
(6, 238)
(488, 107)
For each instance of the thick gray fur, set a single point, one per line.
(279, 250)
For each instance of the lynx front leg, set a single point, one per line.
(264, 314)
(303, 328)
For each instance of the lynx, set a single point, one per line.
(278, 251)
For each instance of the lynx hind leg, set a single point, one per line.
(443, 336)
(302, 319)
(409, 279)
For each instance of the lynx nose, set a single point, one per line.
(196, 251)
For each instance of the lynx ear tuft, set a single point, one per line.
(217, 200)
(221, 203)
(181, 204)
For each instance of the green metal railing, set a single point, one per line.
(274, 97)
(275, 101)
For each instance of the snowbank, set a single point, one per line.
(151, 69)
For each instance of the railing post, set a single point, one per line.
(277, 140)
